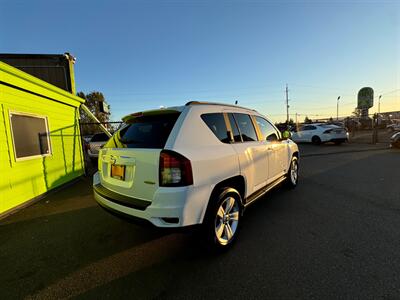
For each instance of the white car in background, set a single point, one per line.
(320, 133)
(95, 143)
(393, 127)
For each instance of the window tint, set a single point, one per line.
(99, 137)
(216, 123)
(235, 130)
(268, 131)
(29, 135)
(309, 127)
(145, 132)
(246, 127)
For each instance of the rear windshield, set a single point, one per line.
(146, 132)
(99, 137)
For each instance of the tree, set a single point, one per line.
(356, 113)
(307, 120)
(93, 102)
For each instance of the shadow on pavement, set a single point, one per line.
(300, 243)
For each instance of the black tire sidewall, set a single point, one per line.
(316, 140)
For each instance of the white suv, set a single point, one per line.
(201, 163)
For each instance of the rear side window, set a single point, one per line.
(216, 122)
(145, 132)
(99, 137)
(246, 127)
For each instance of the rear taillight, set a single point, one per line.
(328, 131)
(175, 169)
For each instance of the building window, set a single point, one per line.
(30, 135)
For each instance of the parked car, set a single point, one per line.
(320, 133)
(393, 127)
(395, 140)
(198, 164)
(96, 142)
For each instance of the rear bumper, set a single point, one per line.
(334, 137)
(93, 154)
(170, 208)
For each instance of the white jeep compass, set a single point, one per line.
(201, 163)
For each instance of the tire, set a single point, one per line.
(316, 140)
(221, 224)
(292, 176)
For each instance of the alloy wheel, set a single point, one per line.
(227, 220)
(294, 172)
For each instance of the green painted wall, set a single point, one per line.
(22, 180)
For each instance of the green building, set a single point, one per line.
(40, 144)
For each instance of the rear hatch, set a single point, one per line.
(129, 161)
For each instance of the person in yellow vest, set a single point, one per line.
(286, 133)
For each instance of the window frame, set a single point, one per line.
(31, 157)
(229, 126)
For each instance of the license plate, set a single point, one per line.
(118, 172)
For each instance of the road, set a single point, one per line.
(335, 236)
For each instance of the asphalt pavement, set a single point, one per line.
(335, 236)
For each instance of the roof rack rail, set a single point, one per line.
(215, 103)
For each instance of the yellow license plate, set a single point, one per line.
(118, 172)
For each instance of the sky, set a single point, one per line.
(146, 54)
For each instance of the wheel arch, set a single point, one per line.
(236, 183)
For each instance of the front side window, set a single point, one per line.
(268, 131)
(216, 122)
(309, 127)
(246, 127)
(30, 135)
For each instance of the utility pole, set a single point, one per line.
(287, 104)
(379, 104)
